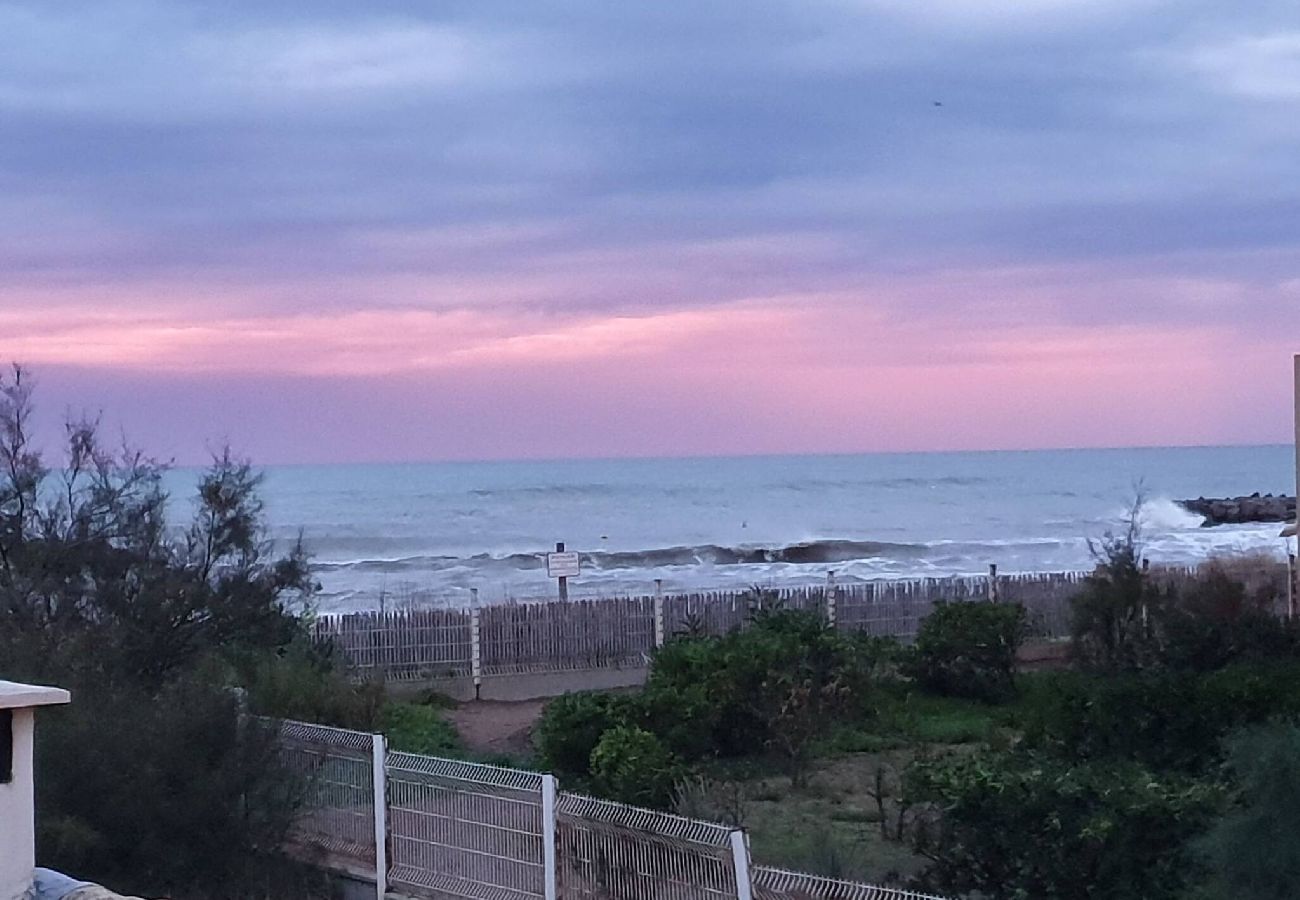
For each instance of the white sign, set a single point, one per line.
(562, 565)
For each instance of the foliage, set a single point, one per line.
(1215, 620)
(1012, 826)
(304, 681)
(572, 725)
(1164, 720)
(149, 781)
(418, 728)
(1253, 851)
(777, 685)
(163, 795)
(969, 649)
(631, 765)
(1112, 628)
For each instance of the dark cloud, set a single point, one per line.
(268, 140)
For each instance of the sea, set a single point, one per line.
(444, 534)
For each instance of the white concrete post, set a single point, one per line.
(740, 859)
(830, 598)
(659, 612)
(18, 704)
(551, 891)
(379, 762)
(476, 651)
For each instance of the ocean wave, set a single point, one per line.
(809, 552)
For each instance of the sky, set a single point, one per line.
(334, 231)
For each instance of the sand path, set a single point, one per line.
(491, 726)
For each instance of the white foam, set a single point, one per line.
(1163, 514)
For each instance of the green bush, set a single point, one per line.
(1215, 620)
(572, 725)
(308, 683)
(417, 728)
(1253, 851)
(1014, 826)
(631, 765)
(774, 686)
(1164, 720)
(168, 795)
(968, 649)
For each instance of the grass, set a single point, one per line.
(833, 827)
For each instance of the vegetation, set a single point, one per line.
(1015, 825)
(633, 766)
(969, 649)
(1252, 851)
(151, 780)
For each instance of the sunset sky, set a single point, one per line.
(335, 231)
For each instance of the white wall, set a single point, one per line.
(17, 814)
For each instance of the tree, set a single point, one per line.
(150, 782)
(1112, 626)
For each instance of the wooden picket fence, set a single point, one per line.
(520, 638)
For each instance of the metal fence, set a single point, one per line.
(465, 830)
(446, 829)
(337, 823)
(609, 851)
(779, 884)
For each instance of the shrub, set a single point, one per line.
(308, 683)
(416, 728)
(1253, 851)
(1011, 826)
(1164, 720)
(572, 726)
(631, 765)
(172, 795)
(1111, 625)
(776, 686)
(1215, 620)
(969, 649)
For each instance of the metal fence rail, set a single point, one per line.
(609, 851)
(338, 816)
(465, 830)
(452, 830)
(780, 884)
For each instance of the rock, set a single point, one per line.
(1239, 510)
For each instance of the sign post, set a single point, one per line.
(562, 566)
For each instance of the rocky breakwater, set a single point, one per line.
(1240, 510)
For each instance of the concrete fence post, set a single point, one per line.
(740, 859)
(993, 582)
(549, 814)
(831, 592)
(659, 612)
(475, 651)
(379, 763)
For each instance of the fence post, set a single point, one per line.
(993, 582)
(475, 651)
(830, 598)
(659, 612)
(379, 760)
(740, 859)
(551, 891)
(1291, 586)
